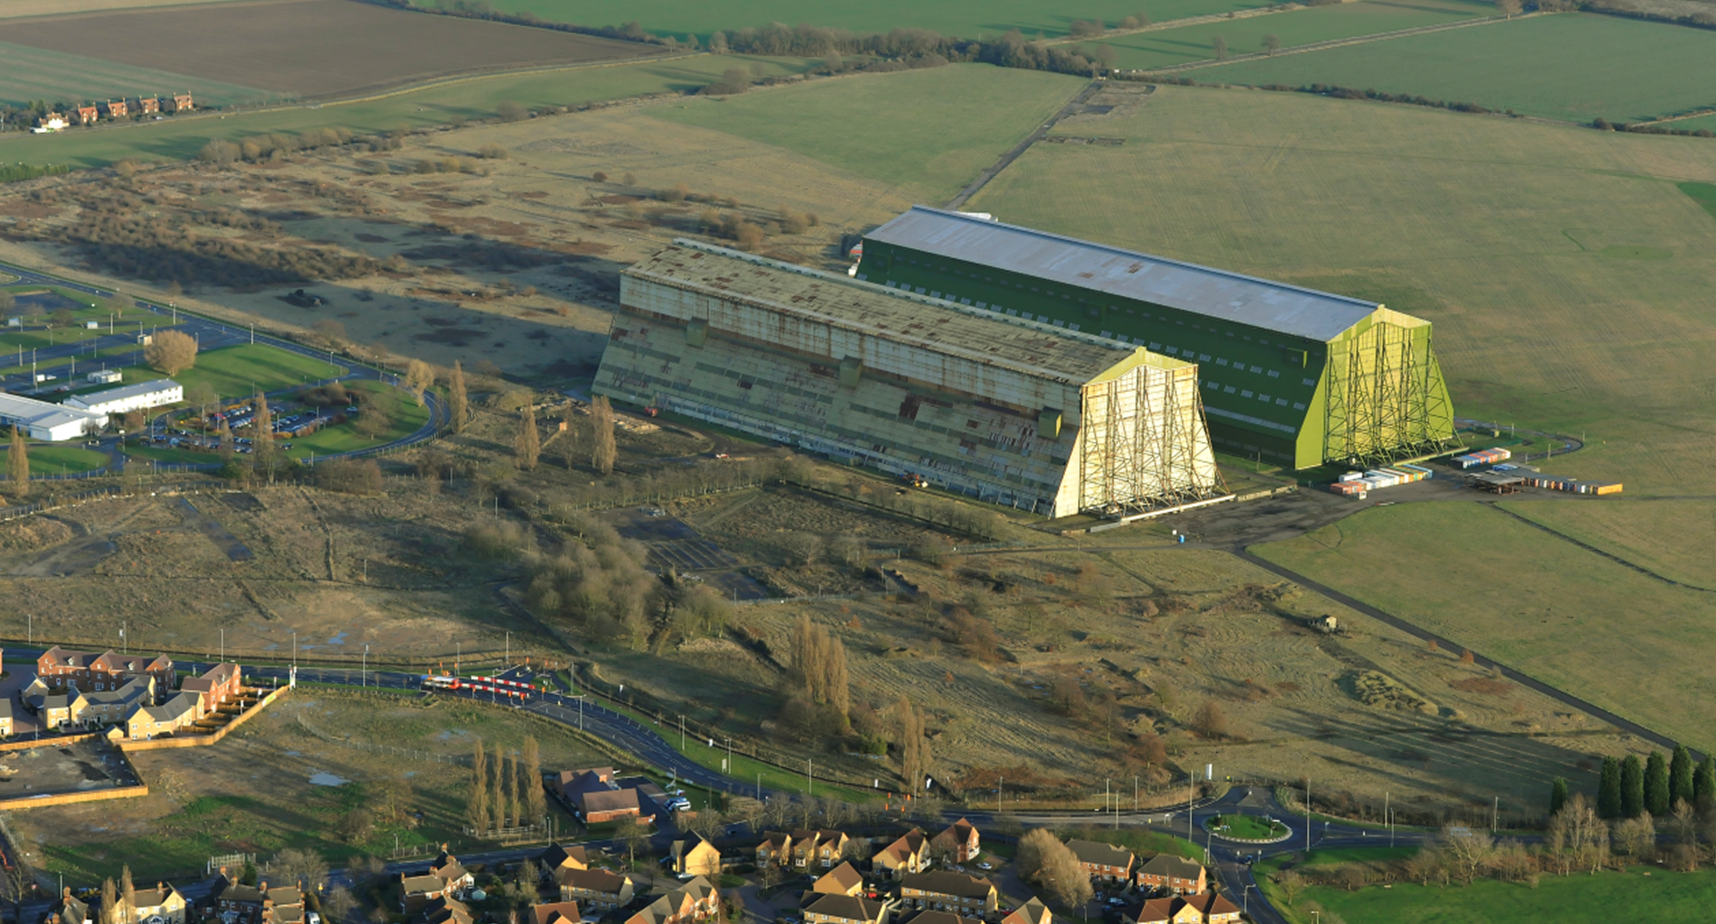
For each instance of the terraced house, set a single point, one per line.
(960, 841)
(181, 712)
(595, 889)
(1103, 862)
(909, 853)
(1175, 874)
(942, 890)
(812, 849)
(696, 900)
(60, 669)
(845, 909)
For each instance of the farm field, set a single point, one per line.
(959, 18)
(1676, 539)
(1627, 69)
(1167, 47)
(55, 76)
(253, 789)
(1505, 235)
(929, 132)
(436, 105)
(312, 48)
(1576, 899)
(1537, 603)
(24, 9)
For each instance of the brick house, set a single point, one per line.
(453, 875)
(60, 669)
(417, 890)
(181, 712)
(596, 889)
(68, 910)
(960, 841)
(844, 909)
(86, 115)
(181, 102)
(113, 707)
(776, 848)
(163, 902)
(148, 105)
(1207, 908)
(595, 796)
(56, 710)
(115, 109)
(447, 910)
(1033, 911)
(246, 904)
(696, 900)
(943, 890)
(558, 857)
(811, 849)
(1175, 874)
(909, 853)
(841, 880)
(217, 686)
(938, 917)
(6, 727)
(695, 855)
(555, 913)
(1103, 862)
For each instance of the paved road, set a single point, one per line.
(210, 335)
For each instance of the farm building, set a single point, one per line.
(1004, 409)
(1293, 375)
(45, 421)
(127, 398)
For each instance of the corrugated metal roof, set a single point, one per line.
(123, 392)
(1125, 273)
(1025, 346)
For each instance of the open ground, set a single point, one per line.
(310, 48)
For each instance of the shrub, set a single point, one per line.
(350, 476)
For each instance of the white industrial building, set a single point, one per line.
(106, 376)
(46, 421)
(128, 398)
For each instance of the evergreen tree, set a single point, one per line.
(1680, 770)
(1557, 795)
(527, 445)
(1656, 790)
(1632, 787)
(458, 403)
(1704, 785)
(18, 465)
(1609, 789)
(535, 800)
(477, 808)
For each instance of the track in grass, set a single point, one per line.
(1572, 66)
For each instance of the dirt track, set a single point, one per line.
(311, 48)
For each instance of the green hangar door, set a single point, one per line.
(1296, 376)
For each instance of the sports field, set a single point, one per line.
(240, 371)
(310, 48)
(1540, 604)
(438, 104)
(977, 19)
(1167, 47)
(1576, 899)
(928, 131)
(1572, 66)
(58, 76)
(1524, 243)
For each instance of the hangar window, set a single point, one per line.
(1247, 338)
(1093, 312)
(1308, 381)
(1220, 361)
(1072, 327)
(1262, 341)
(1281, 401)
(935, 294)
(1060, 323)
(1203, 357)
(1035, 289)
(889, 283)
(1012, 312)
(1263, 398)
(1245, 394)
(919, 290)
(987, 279)
(1298, 405)
(1256, 368)
(967, 301)
(1130, 311)
(1154, 345)
(1273, 374)
(1042, 319)
(1230, 333)
(1228, 390)
(983, 304)
(1109, 334)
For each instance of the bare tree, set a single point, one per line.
(913, 744)
(170, 352)
(477, 805)
(458, 402)
(18, 464)
(527, 444)
(1290, 883)
(1271, 43)
(1509, 8)
(1466, 850)
(418, 377)
(1219, 46)
(603, 451)
(1043, 859)
(304, 869)
(1210, 721)
(202, 394)
(535, 800)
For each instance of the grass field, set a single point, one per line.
(1573, 66)
(51, 459)
(63, 76)
(336, 47)
(407, 418)
(1578, 899)
(1147, 50)
(1250, 827)
(238, 372)
(438, 104)
(927, 131)
(1537, 603)
(1512, 238)
(1676, 539)
(961, 18)
(24, 9)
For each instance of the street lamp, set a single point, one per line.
(363, 669)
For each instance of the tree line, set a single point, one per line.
(506, 789)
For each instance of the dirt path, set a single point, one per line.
(218, 534)
(1072, 107)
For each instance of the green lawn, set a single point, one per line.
(1573, 66)
(1534, 602)
(1646, 894)
(1249, 827)
(1148, 50)
(169, 454)
(407, 418)
(57, 459)
(1143, 843)
(928, 131)
(438, 104)
(240, 371)
(37, 73)
(977, 19)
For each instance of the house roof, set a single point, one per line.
(1165, 864)
(215, 676)
(1033, 911)
(1100, 854)
(555, 913)
(959, 832)
(691, 841)
(594, 880)
(938, 917)
(151, 898)
(846, 906)
(775, 840)
(123, 393)
(134, 689)
(908, 844)
(559, 855)
(608, 800)
(422, 884)
(231, 890)
(1124, 273)
(447, 868)
(841, 879)
(447, 910)
(1212, 903)
(1156, 910)
(945, 882)
(172, 710)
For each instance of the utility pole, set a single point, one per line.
(807, 777)
(999, 789)
(1307, 815)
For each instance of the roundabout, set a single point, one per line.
(1247, 829)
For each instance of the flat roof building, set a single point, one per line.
(127, 398)
(1288, 373)
(44, 420)
(1008, 410)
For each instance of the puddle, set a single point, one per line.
(410, 773)
(338, 639)
(327, 779)
(291, 753)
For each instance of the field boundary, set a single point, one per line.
(1334, 43)
(1596, 551)
(1415, 631)
(994, 170)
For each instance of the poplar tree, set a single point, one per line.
(1557, 795)
(262, 441)
(602, 449)
(495, 798)
(458, 402)
(109, 903)
(1656, 792)
(1609, 789)
(528, 444)
(1680, 771)
(1704, 785)
(534, 797)
(913, 744)
(18, 465)
(509, 788)
(127, 894)
(1632, 787)
(477, 808)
